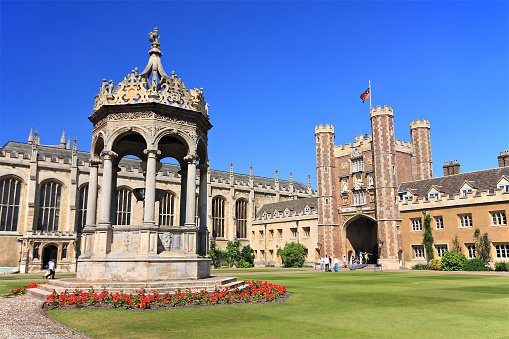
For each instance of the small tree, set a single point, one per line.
(246, 257)
(482, 246)
(292, 254)
(428, 239)
(452, 261)
(456, 248)
(233, 253)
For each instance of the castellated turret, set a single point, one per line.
(386, 183)
(325, 170)
(421, 159)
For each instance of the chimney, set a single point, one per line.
(451, 168)
(503, 159)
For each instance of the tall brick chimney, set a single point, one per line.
(451, 168)
(503, 159)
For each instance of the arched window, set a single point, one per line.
(49, 206)
(124, 206)
(167, 210)
(82, 207)
(241, 215)
(10, 191)
(218, 217)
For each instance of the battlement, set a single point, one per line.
(454, 200)
(378, 110)
(292, 216)
(403, 146)
(419, 124)
(328, 128)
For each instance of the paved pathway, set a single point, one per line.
(22, 317)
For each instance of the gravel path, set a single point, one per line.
(21, 317)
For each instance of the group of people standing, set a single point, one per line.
(326, 263)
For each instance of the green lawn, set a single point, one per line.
(25, 277)
(345, 304)
(253, 270)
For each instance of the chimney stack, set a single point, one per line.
(451, 168)
(503, 159)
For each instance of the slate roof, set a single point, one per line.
(480, 180)
(66, 154)
(296, 205)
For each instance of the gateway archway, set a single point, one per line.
(361, 236)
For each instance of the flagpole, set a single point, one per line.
(369, 95)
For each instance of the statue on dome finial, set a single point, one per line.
(153, 37)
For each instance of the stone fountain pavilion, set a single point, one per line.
(149, 115)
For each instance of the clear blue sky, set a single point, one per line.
(271, 71)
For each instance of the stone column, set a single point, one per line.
(92, 194)
(182, 199)
(107, 183)
(150, 187)
(191, 191)
(202, 209)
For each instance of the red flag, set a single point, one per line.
(365, 95)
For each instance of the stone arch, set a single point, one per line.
(361, 235)
(179, 134)
(175, 144)
(14, 176)
(49, 251)
(117, 135)
(97, 145)
(11, 197)
(61, 183)
(241, 217)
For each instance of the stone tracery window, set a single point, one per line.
(49, 206)
(124, 199)
(241, 215)
(167, 209)
(82, 207)
(10, 191)
(218, 217)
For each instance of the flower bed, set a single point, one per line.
(23, 290)
(255, 292)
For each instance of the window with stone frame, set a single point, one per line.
(358, 165)
(470, 250)
(48, 217)
(439, 222)
(261, 235)
(294, 232)
(82, 207)
(502, 251)
(418, 251)
(498, 218)
(124, 201)
(441, 249)
(271, 234)
(218, 204)
(167, 209)
(280, 233)
(306, 232)
(271, 254)
(359, 198)
(10, 192)
(241, 218)
(416, 224)
(465, 220)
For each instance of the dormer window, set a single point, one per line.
(465, 191)
(265, 214)
(276, 213)
(307, 209)
(406, 197)
(432, 195)
(286, 212)
(504, 187)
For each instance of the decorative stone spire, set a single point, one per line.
(291, 178)
(75, 145)
(251, 172)
(152, 85)
(231, 174)
(37, 138)
(68, 146)
(277, 177)
(309, 181)
(31, 135)
(62, 140)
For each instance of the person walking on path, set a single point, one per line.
(326, 263)
(322, 263)
(336, 264)
(51, 268)
(366, 258)
(344, 262)
(353, 264)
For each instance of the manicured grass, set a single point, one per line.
(5, 287)
(253, 270)
(39, 276)
(344, 304)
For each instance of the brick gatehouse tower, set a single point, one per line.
(358, 187)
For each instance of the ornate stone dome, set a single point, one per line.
(152, 85)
